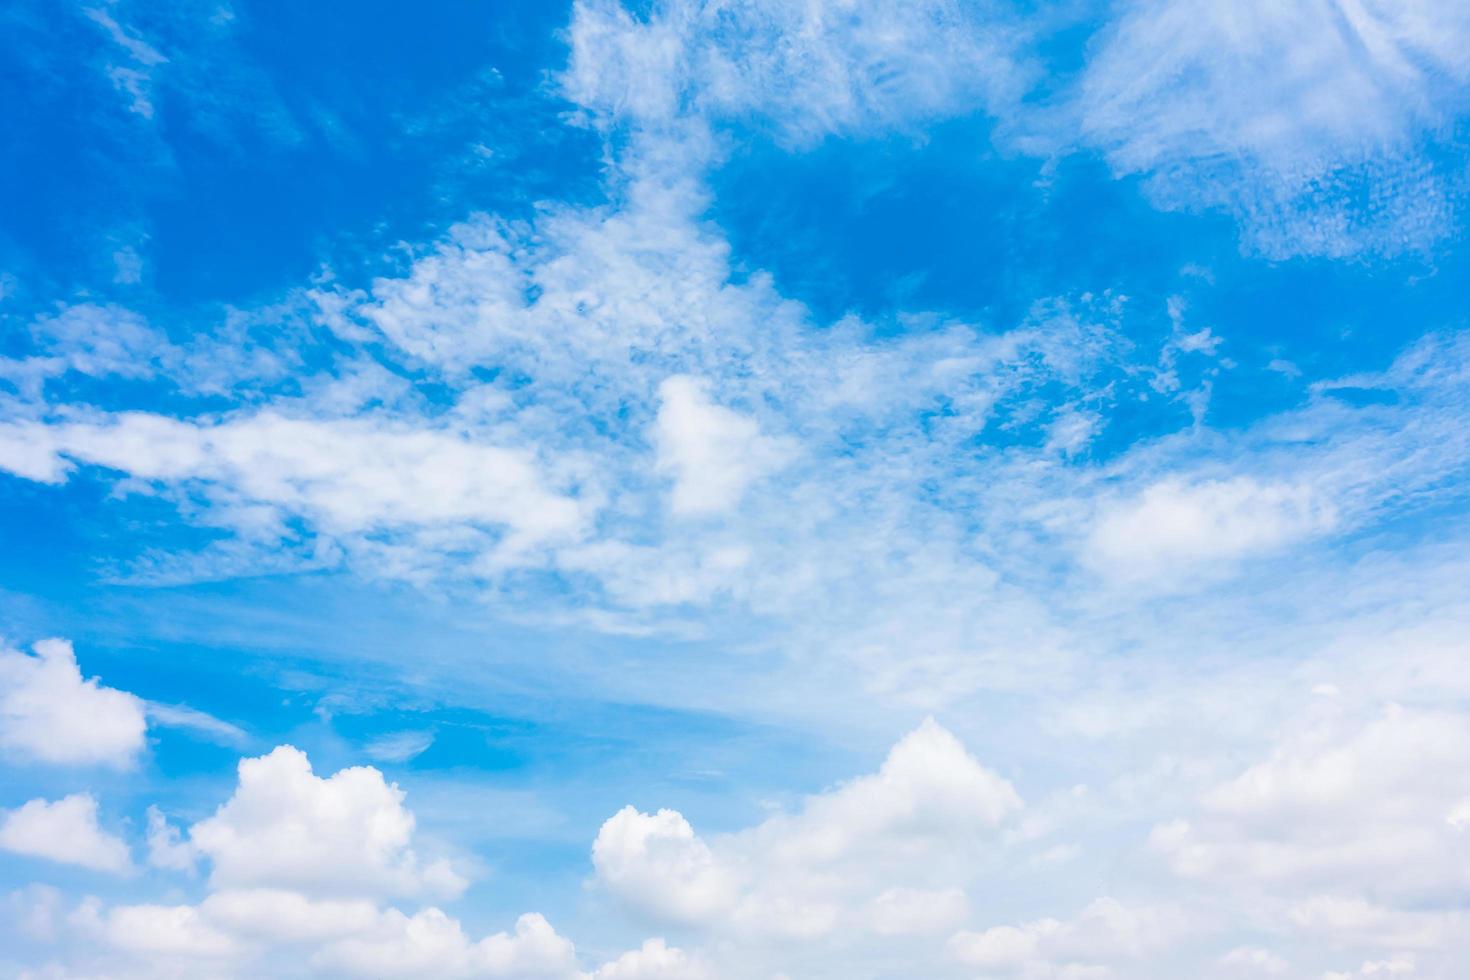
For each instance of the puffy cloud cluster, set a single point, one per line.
(888, 852)
(299, 866)
(50, 713)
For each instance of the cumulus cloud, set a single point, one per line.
(431, 943)
(348, 833)
(65, 831)
(1357, 808)
(299, 866)
(654, 960)
(50, 713)
(866, 853)
(154, 931)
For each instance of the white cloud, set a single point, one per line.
(278, 916)
(711, 452)
(917, 911)
(1305, 118)
(36, 911)
(286, 827)
(655, 960)
(154, 931)
(809, 69)
(1356, 808)
(1351, 921)
(1106, 930)
(891, 849)
(349, 476)
(192, 719)
(50, 713)
(65, 831)
(1174, 529)
(166, 847)
(658, 864)
(433, 944)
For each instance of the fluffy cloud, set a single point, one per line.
(155, 931)
(1173, 528)
(349, 475)
(345, 834)
(431, 943)
(866, 853)
(1106, 930)
(65, 831)
(711, 452)
(50, 713)
(299, 865)
(1365, 808)
(655, 960)
(656, 862)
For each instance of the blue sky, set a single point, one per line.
(680, 490)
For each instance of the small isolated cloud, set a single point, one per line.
(811, 69)
(711, 452)
(398, 746)
(50, 713)
(199, 722)
(65, 831)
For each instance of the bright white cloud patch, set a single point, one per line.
(1174, 528)
(1305, 117)
(65, 831)
(50, 713)
(350, 475)
(711, 452)
(1356, 809)
(890, 850)
(433, 944)
(286, 827)
(299, 865)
